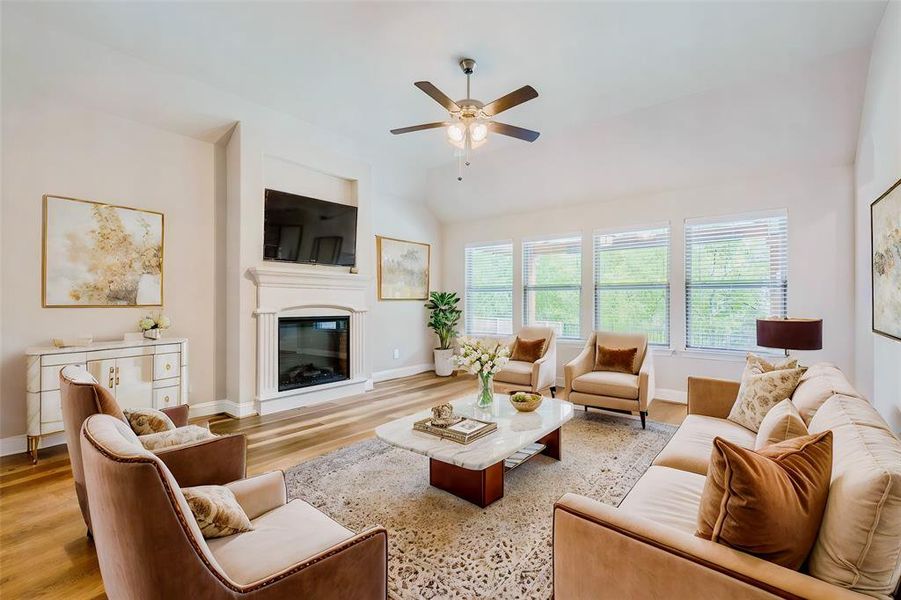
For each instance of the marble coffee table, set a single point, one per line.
(475, 471)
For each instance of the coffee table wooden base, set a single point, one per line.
(485, 486)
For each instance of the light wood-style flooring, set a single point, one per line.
(44, 552)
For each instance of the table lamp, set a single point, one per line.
(790, 333)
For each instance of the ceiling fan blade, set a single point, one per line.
(513, 131)
(438, 96)
(417, 128)
(523, 94)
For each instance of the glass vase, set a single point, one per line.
(486, 389)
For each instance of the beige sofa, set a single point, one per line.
(646, 548)
(630, 392)
(149, 545)
(535, 376)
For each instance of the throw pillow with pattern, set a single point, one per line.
(175, 437)
(144, 421)
(216, 510)
(766, 366)
(759, 392)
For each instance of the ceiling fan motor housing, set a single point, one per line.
(468, 65)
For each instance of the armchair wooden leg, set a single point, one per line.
(553, 391)
(644, 415)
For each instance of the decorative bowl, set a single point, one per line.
(525, 401)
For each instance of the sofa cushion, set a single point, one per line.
(767, 503)
(528, 350)
(175, 437)
(620, 360)
(216, 510)
(859, 545)
(819, 383)
(782, 423)
(608, 383)
(515, 371)
(760, 391)
(689, 449)
(667, 496)
(144, 421)
(280, 539)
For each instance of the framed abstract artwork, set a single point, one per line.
(403, 269)
(885, 232)
(100, 255)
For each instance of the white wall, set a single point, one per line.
(819, 203)
(878, 166)
(52, 147)
(408, 219)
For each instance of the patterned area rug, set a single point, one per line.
(443, 547)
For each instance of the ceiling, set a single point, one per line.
(349, 67)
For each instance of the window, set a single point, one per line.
(736, 270)
(552, 284)
(488, 298)
(631, 282)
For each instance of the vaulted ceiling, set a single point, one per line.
(349, 67)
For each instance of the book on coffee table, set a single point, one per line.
(466, 431)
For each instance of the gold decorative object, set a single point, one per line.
(525, 401)
(443, 416)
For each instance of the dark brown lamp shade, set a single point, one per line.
(790, 334)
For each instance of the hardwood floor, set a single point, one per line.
(44, 552)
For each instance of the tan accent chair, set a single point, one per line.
(217, 460)
(625, 392)
(857, 554)
(535, 376)
(149, 545)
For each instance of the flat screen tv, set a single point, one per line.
(299, 229)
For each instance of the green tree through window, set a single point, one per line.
(631, 282)
(488, 300)
(552, 284)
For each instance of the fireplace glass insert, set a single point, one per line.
(312, 351)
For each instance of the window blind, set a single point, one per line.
(488, 301)
(631, 282)
(736, 270)
(552, 284)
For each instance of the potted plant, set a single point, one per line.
(153, 327)
(443, 321)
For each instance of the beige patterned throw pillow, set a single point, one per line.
(760, 391)
(766, 366)
(175, 437)
(144, 421)
(217, 511)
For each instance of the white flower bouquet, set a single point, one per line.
(153, 326)
(483, 357)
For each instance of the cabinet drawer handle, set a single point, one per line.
(166, 399)
(112, 380)
(117, 375)
(168, 366)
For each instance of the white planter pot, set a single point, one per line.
(444, 366)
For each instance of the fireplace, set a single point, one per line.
(312, 351)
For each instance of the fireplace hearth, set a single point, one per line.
(312, 351)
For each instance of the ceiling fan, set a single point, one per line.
(469, 120)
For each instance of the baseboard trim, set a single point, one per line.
(18, 444)
(408, 371)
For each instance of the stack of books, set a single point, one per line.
(462, 432)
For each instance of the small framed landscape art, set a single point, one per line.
(100, 255)
(403, 269)
(885, 229)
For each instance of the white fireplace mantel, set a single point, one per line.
(292, 290)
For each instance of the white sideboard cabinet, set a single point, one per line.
(139, 373)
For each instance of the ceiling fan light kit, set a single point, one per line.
(469, 120)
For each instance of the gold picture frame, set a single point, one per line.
(54, 274)
(404, 268)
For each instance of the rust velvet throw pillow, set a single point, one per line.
(768, 503)
(527, 350)
(621, 360)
